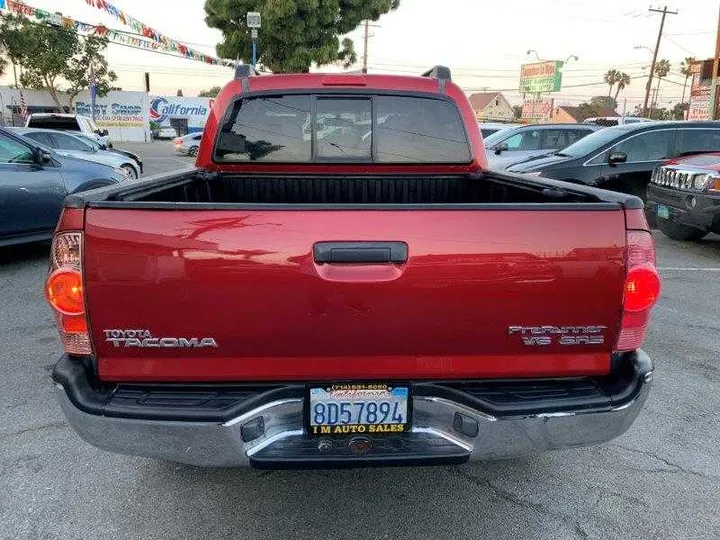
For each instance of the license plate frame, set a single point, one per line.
(388, 428)
(663, 211)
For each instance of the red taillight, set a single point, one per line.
(65, 292)
(642, 290)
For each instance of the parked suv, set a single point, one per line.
(69, 122)
(522, 142)
(684, 196)
(622, 158)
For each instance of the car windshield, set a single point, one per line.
(593, 142)
(496, 137)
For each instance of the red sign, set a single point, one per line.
(537, 109)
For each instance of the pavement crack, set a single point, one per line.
(581, 533)
(517, 501)
(52, 425)
(674, 467)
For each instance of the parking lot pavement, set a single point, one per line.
(660, 480)
(157, 156)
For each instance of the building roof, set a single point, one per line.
(482, 99)
(575, 111)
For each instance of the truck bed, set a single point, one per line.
(213, 189)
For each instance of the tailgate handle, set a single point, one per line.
(361, 252)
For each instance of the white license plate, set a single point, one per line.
(663, 211)
(358, 408)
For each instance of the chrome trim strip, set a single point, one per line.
(259, 410)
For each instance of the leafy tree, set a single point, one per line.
(654, 113)
(50, 55)
(77, 73)
(662, 69)
(45, 57)
(603, 102)
(179, 92)
(295, 33)
(622, 83)
(3, 66)
(679, 111)
(211, 93)
(517, 111)
(611, 78)
(685, 68)
(12, 37)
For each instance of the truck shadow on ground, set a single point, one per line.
(10, 255)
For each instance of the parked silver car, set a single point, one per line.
(188, 144)
(66, 144)
(510, 146)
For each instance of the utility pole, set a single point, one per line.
(648, 88)
(366, 38)
(714, 92)
(365, 46)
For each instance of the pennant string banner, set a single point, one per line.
(150, 33)
(157, 41)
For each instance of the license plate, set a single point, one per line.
(354, 408)
(663, 211)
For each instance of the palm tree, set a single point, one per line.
(662, 68)
(610, 78)
(622, 83)
(685, 69)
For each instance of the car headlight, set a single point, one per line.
(701, 181)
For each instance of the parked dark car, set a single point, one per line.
(684, 197)
(622, 158)
(516, 144)
(34, 180)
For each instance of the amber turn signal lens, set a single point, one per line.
(64, 291)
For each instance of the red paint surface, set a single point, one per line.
(248, 280)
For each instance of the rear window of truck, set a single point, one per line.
(355, 129)
(55, 122)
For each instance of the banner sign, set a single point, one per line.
(541, 77)
(537, 109)
(113, 114)
(165, 42)
(154, 42)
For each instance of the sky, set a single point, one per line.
(484, 43)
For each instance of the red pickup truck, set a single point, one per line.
(341, 282)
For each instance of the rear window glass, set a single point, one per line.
(381, 129)
(54, 122)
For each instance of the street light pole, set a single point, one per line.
(254, 22)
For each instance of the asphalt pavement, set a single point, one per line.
(660, 480)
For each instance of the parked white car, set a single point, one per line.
(69, 122)
(188, 144)
(67, 144)
(510, 146)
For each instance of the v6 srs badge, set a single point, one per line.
(144, 339)
(534, 336)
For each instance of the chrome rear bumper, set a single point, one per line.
(272, 434)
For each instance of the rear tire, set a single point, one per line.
(676, 231)
(193, 151)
